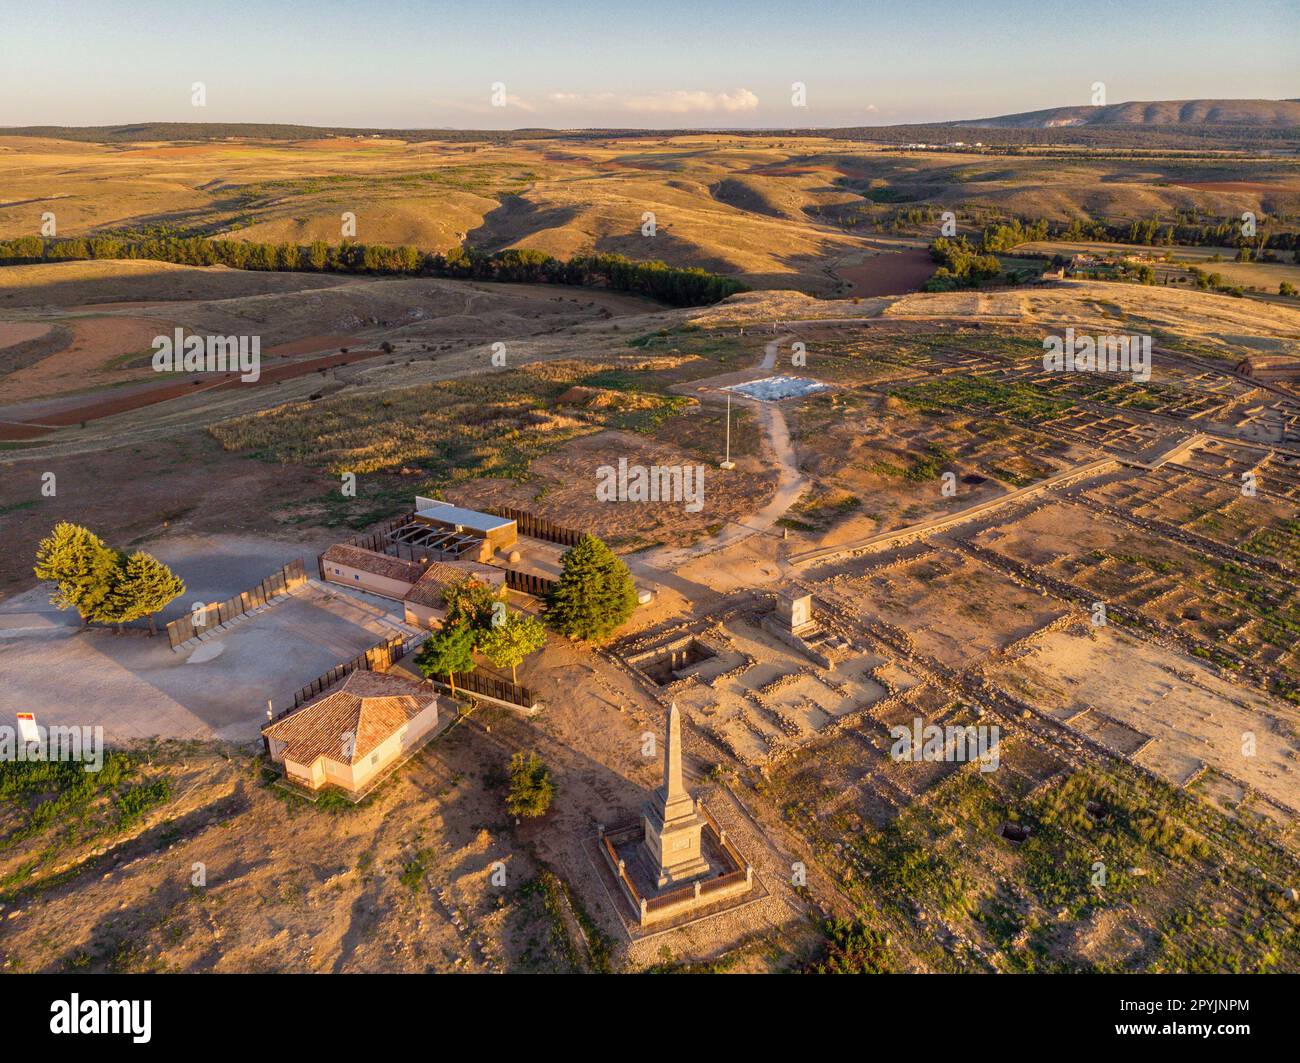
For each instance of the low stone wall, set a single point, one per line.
(726, 888)
(734, 883)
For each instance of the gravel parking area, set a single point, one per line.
(135, 686)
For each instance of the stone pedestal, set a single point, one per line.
(674, 844)
(672, 822)
(794, 611)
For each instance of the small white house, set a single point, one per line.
(353, 731)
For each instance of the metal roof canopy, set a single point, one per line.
(431, 538)
(446, 513)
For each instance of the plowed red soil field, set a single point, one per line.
(93, 411)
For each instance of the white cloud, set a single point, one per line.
(677, 101)
(578, 99)
(683, 102)
(483, 106)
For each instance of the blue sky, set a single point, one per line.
(665, 64)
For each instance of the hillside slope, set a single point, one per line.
(1158, 113)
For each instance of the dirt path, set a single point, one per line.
(189, 386)
(790, 485)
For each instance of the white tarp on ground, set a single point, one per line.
(776, 388)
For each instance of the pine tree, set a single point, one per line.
(507, 644)
(80, 565)
(594, 593)
(144, 585)
(447, 651)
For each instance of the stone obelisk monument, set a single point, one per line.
(672, 823)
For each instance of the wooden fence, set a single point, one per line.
(536, 527)
(527, 583)
(723, 840)
(212, 616)
(376, 659)
(489, 686)
(687, 893)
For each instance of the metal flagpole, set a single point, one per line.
(728, 463)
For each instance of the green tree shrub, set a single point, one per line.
(594, 593)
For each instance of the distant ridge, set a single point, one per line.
(1251, 124)
(152, 132)
(1282, 113)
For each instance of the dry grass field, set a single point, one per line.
(1121, 743)
(778, 213)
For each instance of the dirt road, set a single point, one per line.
(790, 485)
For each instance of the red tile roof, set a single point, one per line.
(351, 719)
(376, 564)
(439, 576)
(436, 579)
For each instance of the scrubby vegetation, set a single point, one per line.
(852, 947)
(560, 935)
(531, 786)
(1212, 890)
(72, 807)
(452, 431)
(1015, 399)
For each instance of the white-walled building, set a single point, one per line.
(353, 731)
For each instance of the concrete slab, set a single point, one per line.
(135, 686)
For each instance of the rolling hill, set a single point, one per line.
(1280, 113)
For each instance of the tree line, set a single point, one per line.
(677, 286)
(1146, 232)
(962, 265)
(967, 263)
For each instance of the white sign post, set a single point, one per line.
(27, 727)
